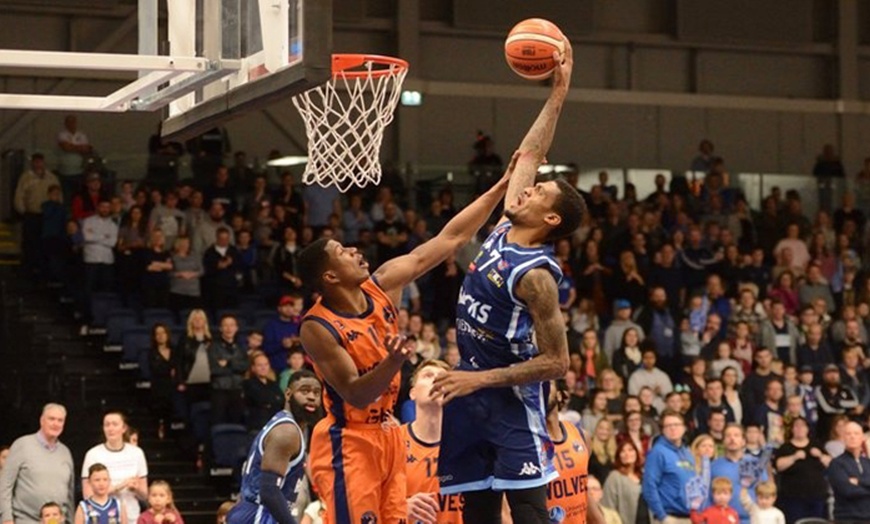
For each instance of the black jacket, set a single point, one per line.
(851, 502)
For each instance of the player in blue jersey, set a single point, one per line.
(512, 340)
(272, 472)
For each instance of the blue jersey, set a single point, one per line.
(108, 513)
(493, 326)
(251, 471)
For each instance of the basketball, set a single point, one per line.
(529, 48)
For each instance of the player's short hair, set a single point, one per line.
(313, 262)
(432, 362)
(570, 207)
(299, 375)
(765, 489)
(720, 484)
(96, 468)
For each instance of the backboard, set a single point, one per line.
(284, 47)
(225, 57)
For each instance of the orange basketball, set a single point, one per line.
(529, 48)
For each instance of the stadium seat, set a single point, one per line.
(229, 444)
(102, 304)
(200, 420)
(135, 341)
(117, 323)
(262, 316)
(153, 316)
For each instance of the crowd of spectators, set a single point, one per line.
(701, 331)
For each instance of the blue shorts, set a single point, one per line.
(245, 512)
(496, 439)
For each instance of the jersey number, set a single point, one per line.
(431, 466)
(565, 460)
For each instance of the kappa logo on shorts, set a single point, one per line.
(369, 517)
(530, 469)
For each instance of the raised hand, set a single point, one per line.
(400, 348)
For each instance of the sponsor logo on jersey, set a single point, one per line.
(475, 308)
(353, 335)
(369, 517)
(578, 446)
(557, 515)
(495, 278)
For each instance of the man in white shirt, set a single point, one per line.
(100, 234)
(74, 146)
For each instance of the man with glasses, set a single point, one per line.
(669, 468)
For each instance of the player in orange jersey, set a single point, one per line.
(422, 438)
(566, 495)
(357, 452)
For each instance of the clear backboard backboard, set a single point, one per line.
(224, 57)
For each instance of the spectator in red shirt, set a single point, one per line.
(721, 511)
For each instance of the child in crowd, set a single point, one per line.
(720, 512)
(764, 511)
(807, 390)
(51, 513)
(255, 342)
(162, 510)
(295, 362)
(754, 440)
(100, 508)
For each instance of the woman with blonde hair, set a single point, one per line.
(428, 345)
(593, 357)
(195, 371)
(602, 447)
(704, 450)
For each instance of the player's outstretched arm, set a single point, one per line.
(340, 372)
(282, 444)
(538, 290)
(534, 147)
(393, 275)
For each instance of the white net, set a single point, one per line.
(345, 120)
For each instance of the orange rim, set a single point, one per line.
(381, 65)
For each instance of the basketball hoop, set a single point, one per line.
(345, 119)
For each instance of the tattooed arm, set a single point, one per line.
(538, 290)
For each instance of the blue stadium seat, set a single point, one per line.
(118, 322)
(153, 316)
(135, 341)
(200, 420)
(262, 316)
(102, 304)
(229, 444)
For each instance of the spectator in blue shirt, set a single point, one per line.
(282, 333)
(669, 468)
(728, 466)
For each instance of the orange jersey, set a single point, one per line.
(566, 496)
(422, 472)
(364, 338)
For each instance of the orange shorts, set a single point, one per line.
(359, 472)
